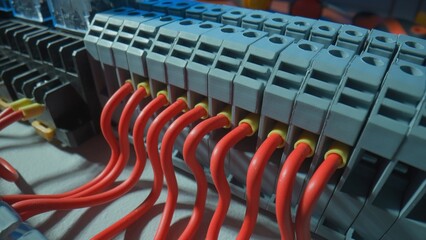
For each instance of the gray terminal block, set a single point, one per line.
(276, 23)
(299, 27)
(142, 42)
(411, 223)
(286, 79)
(96, 28)
(395, 108)
(324, 32)
(234, 17)
(256, 70)
(412, 151)
(185, 44)
(214, 13)
(382, 43)
(175, 8)
(393, 191)
(207, 12)
(196, 11)
(162, 46)
(204, 55)
(355, 98)
(319, 89)
(110, 33)
(255, 19)
(126, 34)
(352, 38)
(360, 176)
(228, 62)
(412, 49)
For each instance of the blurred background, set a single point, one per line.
(395, 16)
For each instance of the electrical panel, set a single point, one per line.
(365, 89)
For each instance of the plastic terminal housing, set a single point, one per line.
(77, 15)
(33, 10)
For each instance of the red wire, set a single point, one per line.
(6, 112)
(189, 149)
(11, 118)
(286, 181)
(7, 171)
(217, 168)
(104, 197)
(138, 134)
(312, 193)
(254, 181)
(108, 134)
(166, 152)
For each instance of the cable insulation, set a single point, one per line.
(312, 193)
(7, 171)
(217, 168)
(6, 112)
(285, 185)
(138, 138)
(104, 197)
(189, 155)
(254, 181)
(10, 119)
(106, 116)
(166, 153)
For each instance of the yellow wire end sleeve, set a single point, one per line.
(131, 83)
(32, 110)
(252, 120)
(307, 138)
(185, 99)
(204, 104)
(227, 112)
(146, 86)
(164, 93)
(20, 103)
(280, 129)
(3, 104)
(340, 149)
(44, 131)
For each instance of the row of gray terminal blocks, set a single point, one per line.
(365, 89)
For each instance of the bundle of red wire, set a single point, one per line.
(99, 191)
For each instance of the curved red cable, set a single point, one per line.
(217, 168)
(7, 171)
(166, 152)
(285, 187)
(254, 181)
(10, 118)
(108, 134)
(189, 150)
(138, 135)
(312, 193)
(97, 199)
(6, 112)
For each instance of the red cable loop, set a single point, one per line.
(189, 150)
(108, 134)
(104, 197)
(312, 193)
(138, 136)
(285, 185)
(166, 152)
(254, 182)
(217, 168)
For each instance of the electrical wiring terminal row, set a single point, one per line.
(100, 190)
